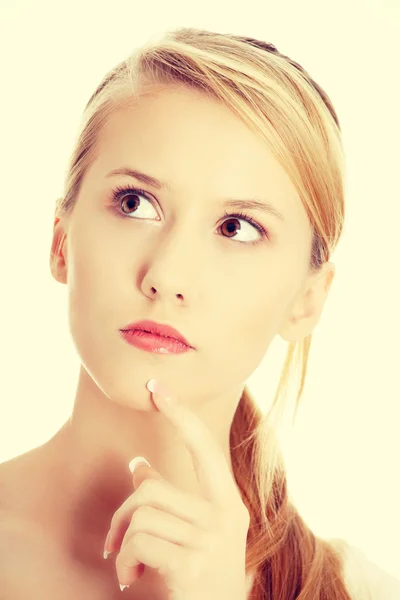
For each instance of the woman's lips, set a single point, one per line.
(154, 343)
(159, 329)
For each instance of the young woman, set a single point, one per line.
(203, 200)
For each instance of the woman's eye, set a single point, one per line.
(231, 226)
(129, 202)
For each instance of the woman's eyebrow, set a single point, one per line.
(164, 185)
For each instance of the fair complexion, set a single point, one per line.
(196, 542)
(174, 260)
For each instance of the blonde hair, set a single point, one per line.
(279, 100)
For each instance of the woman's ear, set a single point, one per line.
(58, 258)
(309, 305)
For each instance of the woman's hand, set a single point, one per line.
(197, 543)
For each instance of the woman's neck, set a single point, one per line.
(90, 455)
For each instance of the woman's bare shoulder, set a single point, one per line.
(10, 472)
(34, 563)
(13, 475)
(16, 528)
(30, 568)
(16, 532)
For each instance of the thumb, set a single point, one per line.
(141, 470)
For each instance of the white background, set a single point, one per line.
(343, 453)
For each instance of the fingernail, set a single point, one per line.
(106, 552)
(150, 385)
(135, 462)
(158, 388)
(160, 391)
(123, 586)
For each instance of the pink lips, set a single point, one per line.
(154, 343)
(157, 329)
(155, 337)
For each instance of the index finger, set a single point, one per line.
(215, 478)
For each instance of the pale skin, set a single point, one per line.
(171, 261)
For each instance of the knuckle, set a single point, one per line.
(137, 540)
(148, 488)
(128, 556)
(194, 564)
(139, 517)
(172, 564)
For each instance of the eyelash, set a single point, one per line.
(120, 191)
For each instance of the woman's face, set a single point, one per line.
(227, 296)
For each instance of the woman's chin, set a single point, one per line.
(125, 390)
(138, 400)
